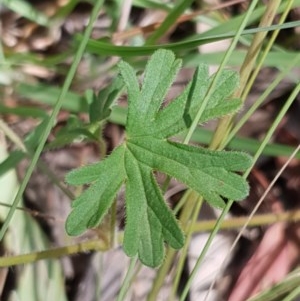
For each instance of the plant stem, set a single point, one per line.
(257, 220)
(260, 100)
(113, 221)
(127, 280)
(259, 152)
(198, 201)
(269, 45)
(43, 167)
(250, 217)
(12, 135)
(226, 123)
(53, 253)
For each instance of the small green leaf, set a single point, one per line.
(69, 137)
(72, 131)
(100, 104)
(149, 221)
(24, 111)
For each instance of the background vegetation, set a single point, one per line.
(58, 81)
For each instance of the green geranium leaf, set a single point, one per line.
(149, 220)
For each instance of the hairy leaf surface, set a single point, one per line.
(149, 220)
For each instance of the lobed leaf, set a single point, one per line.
(149, 221)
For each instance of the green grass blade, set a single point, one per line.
(169, 21)
(27, 11)
(104, 48)
(273, 59)
(152, 4)
(187, 138)
(55, 112)
(290, 283)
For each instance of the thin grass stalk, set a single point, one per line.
(12, 136)
(161, 274)
(265, 52)
(290, 282)
(249, 218)
(257, 220)
(226, 123)
(293, 295)
(246, 68)
(267, 138)
(95, 245)
(113, 223)
(185, 215)
(261, 99)
(102, 246)
(184, 252)
(56, 109)
(193, 127)
(170, 20)
(127, 280)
